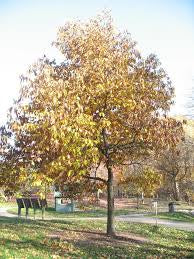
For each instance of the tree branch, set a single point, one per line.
(96, 179)
(132, 163)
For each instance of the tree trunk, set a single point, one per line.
(176, 191)
(137, 200)
(142, 198)
(45, 191)
(110, 204)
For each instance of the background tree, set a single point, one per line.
(190, 103)
(177, 166)
(104, 104)
(9, 174)
(142, 180)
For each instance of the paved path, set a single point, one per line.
(4, 213)
(142, 218)
(138, 218)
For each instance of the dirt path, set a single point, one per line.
(138, 218)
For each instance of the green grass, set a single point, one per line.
(93, 213)
(100, 212)
(85, 239)
(7, 204)
(184, 206)
(178, 216)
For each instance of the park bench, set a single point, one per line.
(34, 203)
(21, 205)
(27, 204)
(40, 204)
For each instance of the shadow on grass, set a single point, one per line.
(26, 243)
(131, 251)
(117, 237)
(11, 223)
(99, 245)
(90, 243)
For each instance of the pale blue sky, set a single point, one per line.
(163, 27)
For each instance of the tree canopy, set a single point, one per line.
(104, 103)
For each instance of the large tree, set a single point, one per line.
(104, 104)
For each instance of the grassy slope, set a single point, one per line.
(178, 216)
(77, 239)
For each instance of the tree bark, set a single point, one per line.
(137, 200)
(110, 191)
(142, 198)
(176, 191)
(110, 204)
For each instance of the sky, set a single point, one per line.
(162, 27)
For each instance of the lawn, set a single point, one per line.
(21, 238)
(7, 204)
(91, 213)
(101, 212)
(178, 216)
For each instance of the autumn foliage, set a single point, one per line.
(104, 103)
